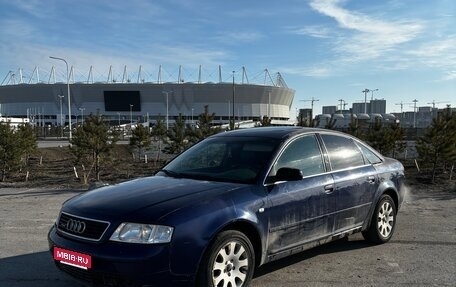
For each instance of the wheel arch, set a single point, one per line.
(245, 227)
(251, 232)
(388, 191)
(393, 194)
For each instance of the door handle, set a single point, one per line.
(329, 188)
(371, 179)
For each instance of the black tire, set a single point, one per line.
(229, 261)
(383, 221)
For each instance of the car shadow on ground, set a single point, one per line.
(35, 269)
(38, 269)
(341, 245)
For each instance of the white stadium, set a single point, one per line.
(46, 103)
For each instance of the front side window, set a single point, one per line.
(303, 154)
(342, 151)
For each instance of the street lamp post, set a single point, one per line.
(131, 117)
(365, 91)
(232, 124)
(167, 108)
(61, 116)
(69, 98)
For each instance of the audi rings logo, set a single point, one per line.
(75, 226)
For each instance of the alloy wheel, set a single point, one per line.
(231, 265)
(385, 219)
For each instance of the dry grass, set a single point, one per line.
(56, 167)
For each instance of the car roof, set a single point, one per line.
(278, 132)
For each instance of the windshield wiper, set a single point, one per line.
(170, 173)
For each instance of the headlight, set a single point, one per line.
(142, 233)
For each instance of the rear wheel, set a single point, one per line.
(383, 221)
(229, 261)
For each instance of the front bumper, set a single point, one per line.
(120, 264)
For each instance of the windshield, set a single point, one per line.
(230, 159)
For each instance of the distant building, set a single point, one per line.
(129, 101)
(329, 110)
(377, 107)
(358, 108)
(305, 113)
(421, 119)
(14, 122)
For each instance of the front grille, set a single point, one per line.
(81, 227)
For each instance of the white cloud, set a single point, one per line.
(449, 76)
(365, 37)
(239, 37)
(313, 31)
(440, 53)
(33, 7)
(315, 72)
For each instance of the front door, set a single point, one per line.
(300, 211)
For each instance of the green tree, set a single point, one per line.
(10, 150)
(353, 127)
(176, 137)
(398, 135)
(27, 140)
(204, 126)
(265, 121)
(437, 147)
(140, 139)
(388, 139)
(159, 132)
(379, 138)
(15, 144)
(92, 144)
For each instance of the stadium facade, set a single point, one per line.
(142, 101)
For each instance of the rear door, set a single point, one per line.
(355, 181)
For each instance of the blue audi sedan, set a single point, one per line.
(229, 204)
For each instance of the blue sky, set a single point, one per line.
(325, 49)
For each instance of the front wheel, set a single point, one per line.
(229, 262)
(383, 221)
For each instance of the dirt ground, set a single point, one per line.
(55, 167)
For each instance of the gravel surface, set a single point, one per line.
(421, 253)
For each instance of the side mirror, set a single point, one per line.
(288, 174)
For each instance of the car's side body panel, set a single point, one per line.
(355, 189)
(299, 212)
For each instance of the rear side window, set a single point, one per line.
(370, 155)
(343, 152)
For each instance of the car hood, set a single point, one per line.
(122, 199)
